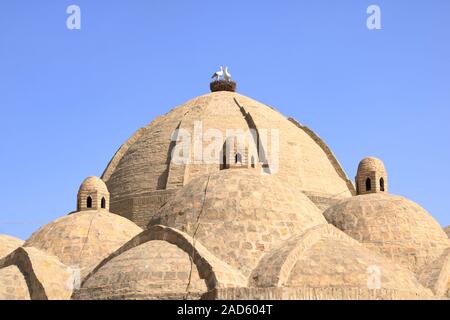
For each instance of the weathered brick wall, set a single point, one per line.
(141, 208)
(287, 293)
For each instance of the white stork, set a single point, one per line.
(227, 75)
(218, 74)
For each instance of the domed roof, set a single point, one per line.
(8, 244)
(371, 164)
(83, 239)
(239, 214)
(391, 225)
(152, 270)
(447, 231)
(142, 164)
(336, 267)
(13, 285)
(91, 184)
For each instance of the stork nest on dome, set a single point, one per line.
(222, 85)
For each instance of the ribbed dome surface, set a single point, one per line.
(153, 270)
(239, 214)
(391, 225)
(447, 231)
(83, 239)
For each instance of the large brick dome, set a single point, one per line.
(141, 177)
(239, 214)
(392, 226)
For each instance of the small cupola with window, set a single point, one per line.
(371, 177)
(93, 195)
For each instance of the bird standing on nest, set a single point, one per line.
(227, 75)
(218, 74)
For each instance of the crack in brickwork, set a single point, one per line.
(194, 240)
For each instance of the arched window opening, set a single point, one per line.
(253, 162)
(89, 202)
(368, 184)
(103, 203)
(382, 185)
(223, 160)
(238, 158)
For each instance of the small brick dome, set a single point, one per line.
(371, 164)
(326, 260)
(8, 244)
(392, 226)
(83, 239)
(371, 176)
(152, 270)
(93, 194)
(92, 184)
(239, 214)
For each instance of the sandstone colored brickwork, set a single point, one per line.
(83, 239)
(239, 214)
(153, 270)
(391, 226)
(288, 293)
(447, 231)
(13, 285)
(143, 164)
(231, 231)
(333, 160)
(46, 277)
(436, 275)
(141, 208)
(324, 258)
(8, 244)
(373, 169)
(165, 264)
(93, 195)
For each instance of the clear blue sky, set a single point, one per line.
(69, 99)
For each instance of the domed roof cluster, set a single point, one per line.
(55, 259)
(239, 215)
(247, 225)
